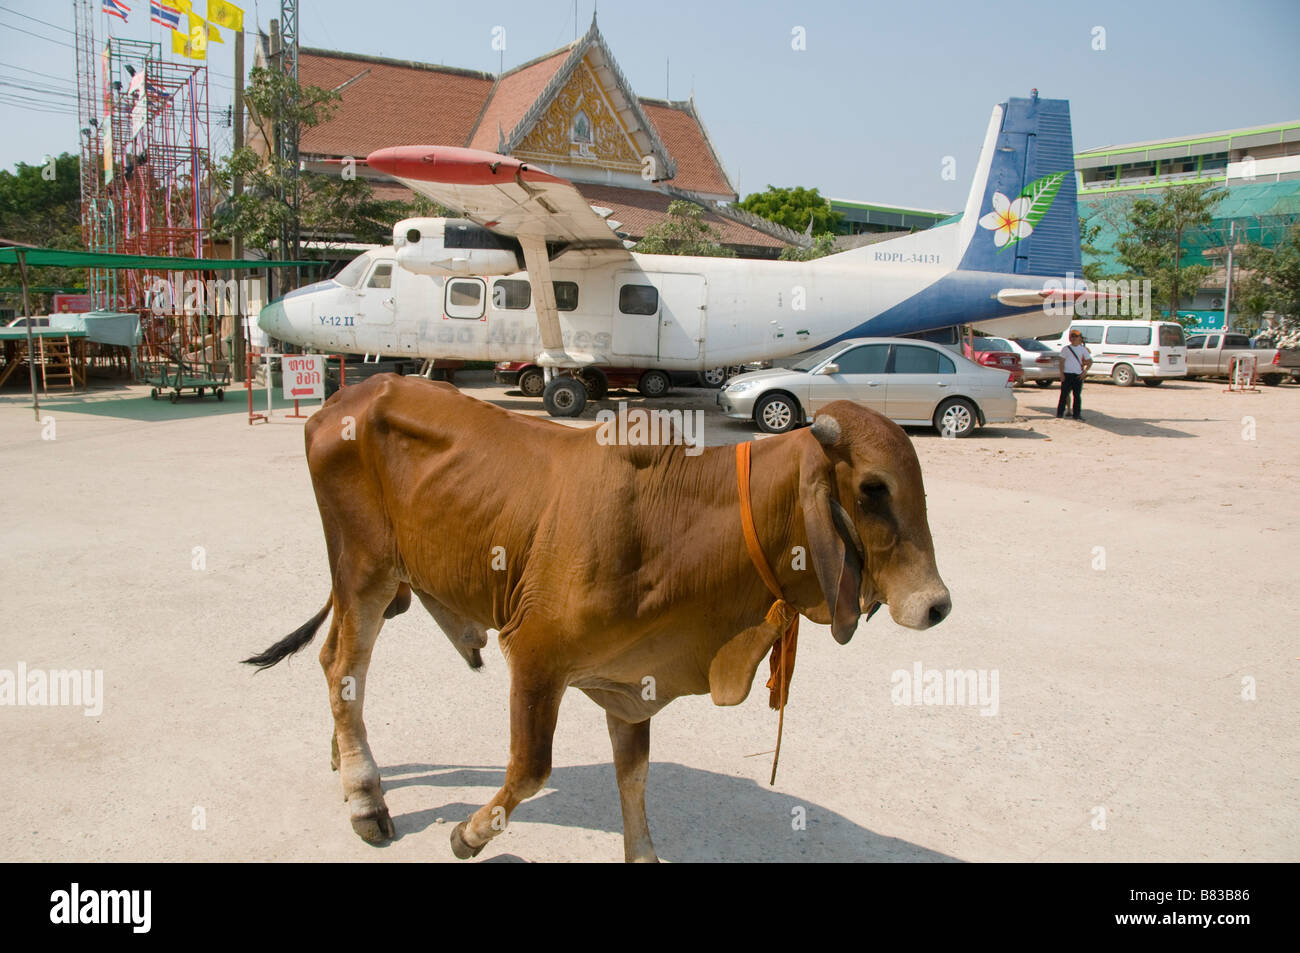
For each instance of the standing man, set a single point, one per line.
(1075, 361)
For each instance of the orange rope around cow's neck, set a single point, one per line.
(782, 614)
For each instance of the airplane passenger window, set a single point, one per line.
(867, 359)
(512, 294)
(566, 295)
(638, 299)
(382, 276)
(465, 298)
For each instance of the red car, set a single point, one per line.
(994, 352)
(530, 379)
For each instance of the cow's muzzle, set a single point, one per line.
(923, 608)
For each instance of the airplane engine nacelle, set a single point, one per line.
(453, 246)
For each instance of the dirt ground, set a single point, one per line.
(1129, 581)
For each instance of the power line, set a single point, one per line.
(37, 35)
(34, 72)
(44, 91)
(38, 20)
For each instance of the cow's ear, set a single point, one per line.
(832, 539)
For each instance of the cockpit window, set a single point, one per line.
(350, 276)
(382, 276)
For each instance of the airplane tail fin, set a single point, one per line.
(1022, 216)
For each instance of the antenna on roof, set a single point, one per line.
(668, 75)
(575, 19)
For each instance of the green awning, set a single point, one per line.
(37, 257)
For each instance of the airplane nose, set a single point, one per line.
(273, 321)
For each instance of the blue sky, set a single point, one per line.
(882, 93)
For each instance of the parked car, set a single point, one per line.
(36, 322)
(909, 381)
(1129, 351)
(530, 379)
(995, 352)
(1040, 363)
(1211, 355)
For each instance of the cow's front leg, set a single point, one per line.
(632, 765)
(534, 706)
(345, 657)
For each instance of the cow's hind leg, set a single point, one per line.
(631, 745)
(534, 706)
(345, 657)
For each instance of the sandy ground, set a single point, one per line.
(1121, 730)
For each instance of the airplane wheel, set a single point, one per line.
(532, 382)
(654, 384)
(564, 397)
(596, 382)
(714, 377)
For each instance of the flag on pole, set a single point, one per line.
(214, 35)
(198, 37)
(165, 14)
(116, 8)
(185, 44)
(225, 14)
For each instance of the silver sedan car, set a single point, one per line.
(911, 382)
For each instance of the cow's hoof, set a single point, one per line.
(374, 828)
(458, 845)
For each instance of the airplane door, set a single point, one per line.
(681, 315)
(376, 303)
(861, 379)
(636, 315)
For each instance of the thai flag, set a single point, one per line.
(116, 8)
(164, 15)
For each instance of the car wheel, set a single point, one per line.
(1043, 383)
(1123, 375)
(777, 413)
(596, 382)
(1272, 380)
(1153, 381)
(654, 384)
(714, 377)
(221, 394)
(532, 382)
(564, 397)
(956, 417)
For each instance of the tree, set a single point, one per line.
(1094, 268)
(41, 205)
(1152, 243)
(822, 246)
(683, 232)
(1272, 283)
(280, 201)
(793, 208)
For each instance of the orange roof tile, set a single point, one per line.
(396, 103)
(698, 169)
(638, 209)
(511, 98)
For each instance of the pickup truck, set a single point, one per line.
(1209, 355)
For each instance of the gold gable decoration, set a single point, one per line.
(599, 141)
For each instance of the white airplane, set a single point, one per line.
(532, 272)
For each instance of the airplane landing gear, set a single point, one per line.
(564, 397)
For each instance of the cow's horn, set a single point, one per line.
(827, 430)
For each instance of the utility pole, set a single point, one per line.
(1227, 284)
(237, 341)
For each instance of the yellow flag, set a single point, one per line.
(214, 35)
(182, 5)
(186, 45)
(225, 14)
(198, 37)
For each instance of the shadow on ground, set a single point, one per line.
(695, 816)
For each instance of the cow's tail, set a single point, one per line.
(292, 642)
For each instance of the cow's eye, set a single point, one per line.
(874, 493)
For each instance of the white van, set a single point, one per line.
(1129, 351)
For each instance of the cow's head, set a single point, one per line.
(864, 511)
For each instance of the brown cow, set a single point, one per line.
(599, 565)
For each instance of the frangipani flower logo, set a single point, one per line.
(1012, 220)
(1007, 220)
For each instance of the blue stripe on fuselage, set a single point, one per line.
(959, 297)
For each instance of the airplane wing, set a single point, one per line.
(502, 194)
(511, 198)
